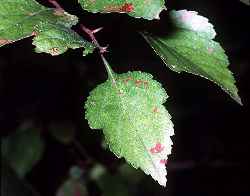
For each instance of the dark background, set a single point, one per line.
(211, 143)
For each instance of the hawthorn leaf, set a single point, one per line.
(23, 150)
(148, 9)
(191, 48)
(56, 39)
(51, 27)
(135, 123)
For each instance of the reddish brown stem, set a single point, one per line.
(91, 33)
(56, 4)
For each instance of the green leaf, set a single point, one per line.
(23, 150)
(191, 48)
(11, 184)
(50, 27)
(56, 39)
(135, 123)
(148, 9)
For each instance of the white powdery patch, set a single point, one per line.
(158, 170)
(190, 20)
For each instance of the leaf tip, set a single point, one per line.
(238, 99)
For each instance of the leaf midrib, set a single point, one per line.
(138, 135)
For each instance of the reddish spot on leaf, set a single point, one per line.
(127, 79)
(157, 148)
(156, 110)
(164, 161)
(4, 41)
(34, 33)
(141, 82)
(54, 51)
(111, 8)
(127, 7)
(210, 50)
(138, 82)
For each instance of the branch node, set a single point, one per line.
(91, 33)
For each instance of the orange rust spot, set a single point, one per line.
(141, 82)
(111, 8)
(34, 33)
(164, 161)
(156, 110)
(157, 148)
(54, 51)
(4, 41)
(138, 82)
(127, 79)
(127, 7)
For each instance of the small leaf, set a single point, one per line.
(23, 150)
(57, 39)
(148, 9)
(191, 48)
(135, 123)
(20, 19)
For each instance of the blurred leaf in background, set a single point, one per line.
(11, 184)
(74, 184)
(63, 132)
(23, 149)
(123, 183)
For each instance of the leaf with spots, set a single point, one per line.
(129, 108)
(51, 27)
(191, 48)
(148, 9)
